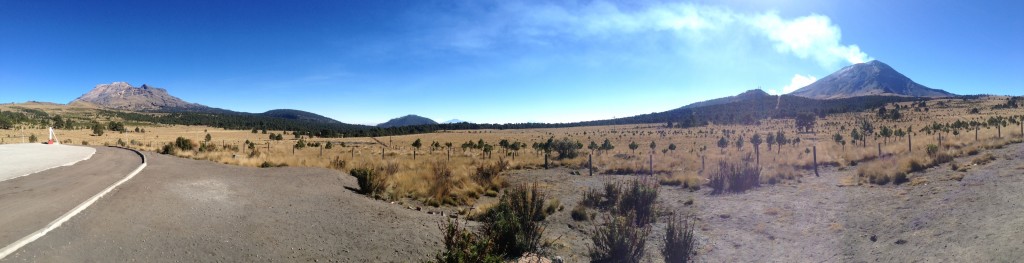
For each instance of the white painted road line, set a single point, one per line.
(9, 249)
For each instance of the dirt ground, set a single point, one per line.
(977, 219)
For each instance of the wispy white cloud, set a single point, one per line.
(812, 37)
(798, 81)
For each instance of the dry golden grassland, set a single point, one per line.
(409, 177)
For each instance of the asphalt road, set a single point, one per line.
(29, 203)
(18, 160)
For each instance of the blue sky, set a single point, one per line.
(495, 61)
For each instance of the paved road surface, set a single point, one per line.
(29, 203)
(22, 159)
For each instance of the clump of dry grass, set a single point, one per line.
(983, 159)
(733, 178)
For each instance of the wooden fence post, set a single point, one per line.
(816, 161)
(879, 150)
(590, 164)
(910, 145)
(652, 163)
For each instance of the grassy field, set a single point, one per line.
(411, 171)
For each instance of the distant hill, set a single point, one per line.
(123, 96)
(407, 120)
(748, 95)
(873, 78)
(453, 121)
(298, 115)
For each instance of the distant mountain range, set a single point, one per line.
(873, 78)
(853, 88)
(407, 120)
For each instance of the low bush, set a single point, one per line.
(184, 144)
(461, 245)
(580, 213)
(900, 178)
(612, 193)
(983, 159)
(270, 164)
(514, 224)
(441, 187)
(932, 149)
(619, 240)
(731, 178)
(941, 158)
(338, 163)
(679, 242)
(638, 200)
(592, 198)
(371, 183)
(167, 149)
(488, 175)
(552, 207)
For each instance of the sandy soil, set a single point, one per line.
(198, 211)
(31, 202)
(978, 219)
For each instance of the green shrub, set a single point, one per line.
(612, 193)
(679, 242)
(167, 149)
(32, 138)
(461, 245)
(638, 200)
(370, 182)
(579, 213)
(552, 207)
(183, 144)
(619, 240)
(932, 149)
(514, 223)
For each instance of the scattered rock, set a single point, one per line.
(874, 238)
(900, 241)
